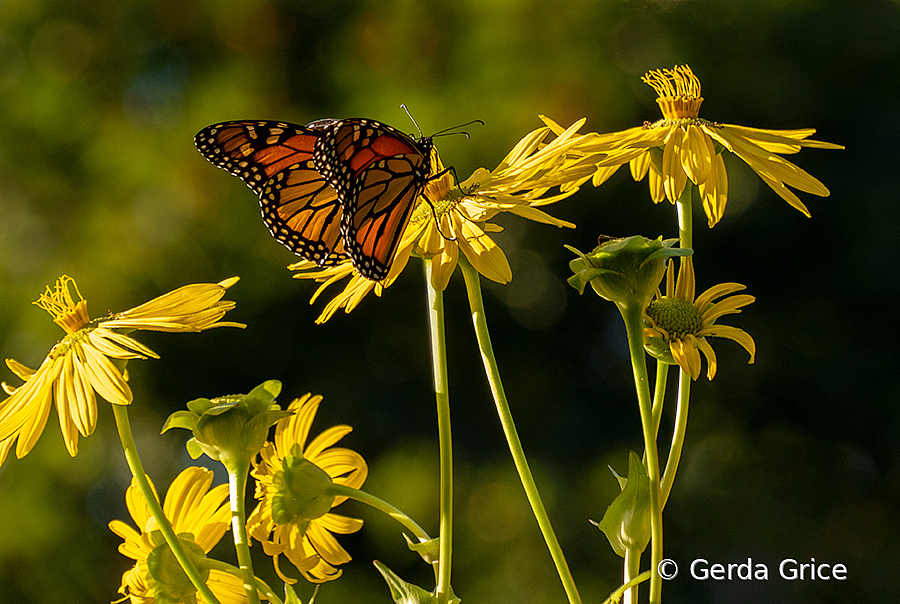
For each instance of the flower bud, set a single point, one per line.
(230, 429)
(625, 271)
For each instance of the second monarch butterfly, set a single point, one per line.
(332, 189)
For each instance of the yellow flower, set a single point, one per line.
(683, 147)
(80, 365)
(200, 516)
(679, 325)
(292, 477)
(518, 185)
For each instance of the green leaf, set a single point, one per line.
(429, 550)
(180, 419)
(627, 520)
(403, 592)
(291, 597)
(194, 449)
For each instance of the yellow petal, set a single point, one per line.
(640, 165)
(715, 292)
(710, 355)
(674, 176)
(687, 357)
(728, 306)
(714, 191)
(732, 333)
(485, 255)
(696, 157)
(105, 379)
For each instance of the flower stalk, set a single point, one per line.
(632, 315)
(123, 425)
(442, 397)
(237, 486)
(476, 304)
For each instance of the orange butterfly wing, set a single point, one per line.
(275, 159)
(378, 172)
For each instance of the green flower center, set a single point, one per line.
(64, 346)
(424, 211)
(676, 316)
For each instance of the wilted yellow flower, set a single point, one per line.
(200, 517)
(518, 185)
(684, 147)
(80, 365)
(292, 479)
(679, 326)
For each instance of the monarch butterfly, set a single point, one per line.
(332, 189)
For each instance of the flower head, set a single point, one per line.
(683, 147)
(200, 517)
(80, 366)
(678, 325)
(453, 218)
(292, 478)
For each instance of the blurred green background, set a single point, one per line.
(794, 457)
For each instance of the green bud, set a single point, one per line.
(627, 520)
(302, 491)
(625, 271)
(230, 429)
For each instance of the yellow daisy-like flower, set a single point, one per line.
(80, 365)
(683, 147)
(292, 479)
(679, 326)
(519, 185)
(200, 516)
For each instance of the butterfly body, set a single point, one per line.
(332, 189)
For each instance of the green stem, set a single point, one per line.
(632, 569)
(442, 397)
(681, 415)
(237, 486)
(659, 394)
(685, 233)
(685, 218)
(476, 304)
(123, 425)
(339, 490)
(615, 596)
(632, 314)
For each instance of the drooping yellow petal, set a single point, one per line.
(697, 154)
(674, 176)
(732, 333)
(710, 355)
(105, 379)
(714, 191)
(485, 255)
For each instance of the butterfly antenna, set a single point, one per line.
(452, 129)
(412, 119)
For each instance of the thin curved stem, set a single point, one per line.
(123, 425)
(442, 397)
(381, 505)
(679, 431)
(476, 304)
